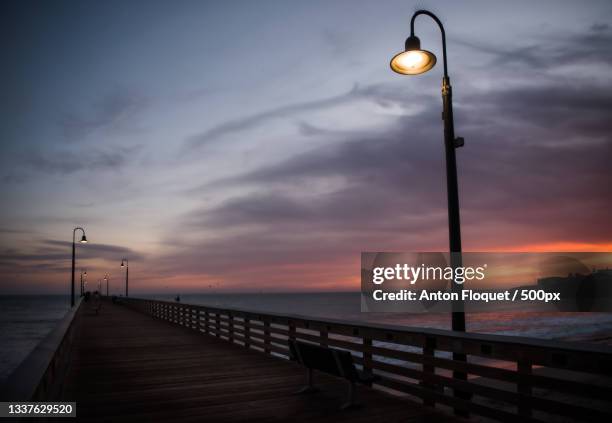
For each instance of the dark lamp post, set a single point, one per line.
(106, 279)
(125, 263)
(83, 274)
(413, 61)
(82, 241)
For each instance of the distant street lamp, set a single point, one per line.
(83, 273)
(125, 263)
(413, 61)
(82, 241)
(106, 279)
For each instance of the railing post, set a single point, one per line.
(524, 387)
(367, 355)
(429, 351)
(218, 324)
(231, 327)
(292, 330)
(206, 322)
(267, 337)
(247, 332)
(324, 335)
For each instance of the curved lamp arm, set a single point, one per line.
(435, 18)
(74, 233)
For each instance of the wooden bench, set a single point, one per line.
(332, 361)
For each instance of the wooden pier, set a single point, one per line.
(126, 365)
(144, 360)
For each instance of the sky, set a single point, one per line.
(262, 146)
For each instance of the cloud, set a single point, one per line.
(67, 162)
(533, 169)
(382, 94)
(116, 111)
(586, 47)
(49, 253)
(254, 120)
(11, 231)
(95, 250)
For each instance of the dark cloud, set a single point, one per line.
(67, 162)
(254, 120)
(535, 168)
(55, 253)
(95, 250)
(599, 27)
(116, 111)
(11, 231)
(310, 130)
(579, 48)
(381, 94)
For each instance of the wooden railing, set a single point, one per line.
(509, 378)
(40, 375)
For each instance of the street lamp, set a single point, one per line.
(82, 241)
(106, 279)
(125, 263)
(413, 61)
(83, 273)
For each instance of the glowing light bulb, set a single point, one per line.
(413, 62)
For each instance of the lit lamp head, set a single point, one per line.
(413, 60)
(122, 263)
(83, 239)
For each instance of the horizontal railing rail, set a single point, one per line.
(40, 375)
(509, 378)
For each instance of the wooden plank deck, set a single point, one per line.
(127, 366)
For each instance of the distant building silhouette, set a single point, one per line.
(581, 292)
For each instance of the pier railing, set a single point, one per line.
(508, 378)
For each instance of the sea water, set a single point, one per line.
(24, 321)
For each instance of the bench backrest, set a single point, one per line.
(328, 360)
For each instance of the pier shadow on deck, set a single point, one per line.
(127, 366)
